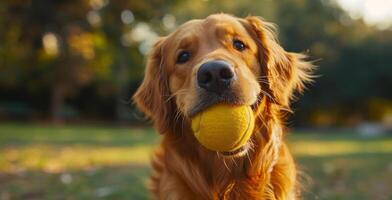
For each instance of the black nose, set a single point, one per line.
(215, 76)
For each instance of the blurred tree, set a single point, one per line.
(65, 57)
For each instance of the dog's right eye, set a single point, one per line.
(239, 45)
(183, 57)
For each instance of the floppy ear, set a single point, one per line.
(152, 95)
(286, 72)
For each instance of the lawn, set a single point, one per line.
(93, 162)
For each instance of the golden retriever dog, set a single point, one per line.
(218, 59)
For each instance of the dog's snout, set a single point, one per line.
(215, 76)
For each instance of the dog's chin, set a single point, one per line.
(242, 151)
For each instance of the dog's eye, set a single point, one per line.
(239, 45)
(183, 57)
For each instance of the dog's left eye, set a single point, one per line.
(239, 45)
(183, 57)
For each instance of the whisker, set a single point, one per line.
(264, 81)
(286, 109)
(224, 162)
(177, 116)
(182, 126)
(247, 155)
(268, 95)
(262, 120)
(262, 78)
(268, 76)
(182, 91)
(235, 163)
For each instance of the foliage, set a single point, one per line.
(84, 59)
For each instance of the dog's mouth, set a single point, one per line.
(208, 100)
(236, 153)
(227, 97)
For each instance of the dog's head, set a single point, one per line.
(218, 59)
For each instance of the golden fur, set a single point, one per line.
(267, 78)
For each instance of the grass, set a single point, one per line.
(90, 162)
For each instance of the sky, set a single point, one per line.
(373, 12)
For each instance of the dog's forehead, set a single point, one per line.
(212, 24)
(218, 19)
(224, 23)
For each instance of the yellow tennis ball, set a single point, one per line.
(223, 127)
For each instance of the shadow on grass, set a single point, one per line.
(349, 176)
(22, 134)
(103, 182)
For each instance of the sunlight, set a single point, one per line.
(373, 12)
(50, 44)
(323, 148)
(54, 159)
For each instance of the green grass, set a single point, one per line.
(90, 162)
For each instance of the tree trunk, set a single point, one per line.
(57, 103)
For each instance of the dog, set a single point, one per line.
(183, 77)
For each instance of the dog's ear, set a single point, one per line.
(152, 95)
(285, 72)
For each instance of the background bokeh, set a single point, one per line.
(68, 68)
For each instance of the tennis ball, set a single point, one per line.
(223, 127)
